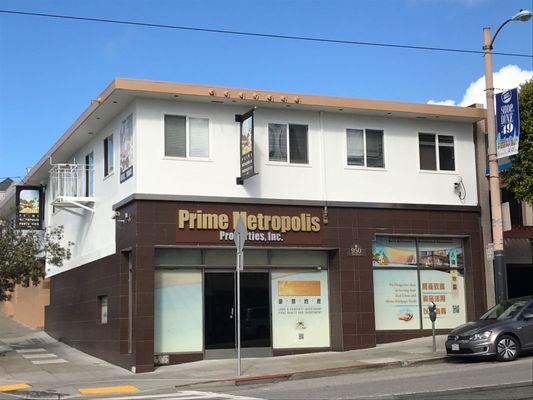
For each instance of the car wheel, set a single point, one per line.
(507, 348)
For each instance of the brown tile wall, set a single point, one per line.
(72, 314)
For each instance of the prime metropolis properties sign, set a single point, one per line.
(204, 226)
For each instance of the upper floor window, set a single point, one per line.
(430, 158)
(365, 148)
(89, 175)
(186, 136)
(292, 149)
(108, 155)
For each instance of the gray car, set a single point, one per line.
(503, 331)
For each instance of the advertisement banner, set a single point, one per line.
(247, 145)
(507, 123)
(396, 301)
(441, 253)
(393, 252)
(126, 149)
(446, 289)
(300, 309)
(30, 207)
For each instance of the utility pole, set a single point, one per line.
(500, 270)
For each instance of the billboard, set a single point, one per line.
(30, 207)
(246, 145)
(507, 123)
(126, 149)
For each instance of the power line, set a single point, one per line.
(258, 34)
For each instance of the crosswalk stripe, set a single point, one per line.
(45, 355)
(108, 389)
(185, 395)
(14, 386)
(52, 361)
(22, 351)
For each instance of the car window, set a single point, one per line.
(504, 310)
(528, 310)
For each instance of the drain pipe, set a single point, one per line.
(323, 168)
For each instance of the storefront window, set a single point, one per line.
(178, 311)
(396, 299)
(411, 272)
(300, 309)
(446, 290)
(441, 253)
(299, 258)
(393, 252)
(169, 257)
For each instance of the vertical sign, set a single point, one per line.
(126, 149)
(30, 207)
(246, 145)
(507, 123)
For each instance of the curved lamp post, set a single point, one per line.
(500, 273)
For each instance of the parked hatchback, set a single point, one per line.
(503, 331)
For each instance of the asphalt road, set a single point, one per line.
(450, 380)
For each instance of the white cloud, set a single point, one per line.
(507, 77)
(442, 102)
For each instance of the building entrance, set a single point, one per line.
(220, 313)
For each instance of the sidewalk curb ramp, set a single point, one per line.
(317, 373)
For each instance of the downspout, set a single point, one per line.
(323, 169)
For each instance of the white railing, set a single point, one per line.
(69, 180)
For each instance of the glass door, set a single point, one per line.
(219, 310)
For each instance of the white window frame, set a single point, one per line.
(364, 167)
(288, 162)
(188, 157)
(437, 155)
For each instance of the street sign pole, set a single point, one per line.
(239, 238)
(238, 306)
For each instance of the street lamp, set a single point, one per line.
(500, 273)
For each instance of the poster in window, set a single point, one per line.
(441, 253)
(446, 290)
(126, 149)
(396, 302)
(30, 207)
(247, 145)
(178, 311)
(393, 252)
(300, 309)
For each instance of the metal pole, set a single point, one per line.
(238, 307)
(434, 340)
(500, 273)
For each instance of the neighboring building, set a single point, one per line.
(4, 186)
(518, 246)
(361, 213)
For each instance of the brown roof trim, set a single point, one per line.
(265, 96)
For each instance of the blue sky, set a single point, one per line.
(50, 69)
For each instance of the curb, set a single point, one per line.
(307, 374)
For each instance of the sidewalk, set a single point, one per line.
(35, 359)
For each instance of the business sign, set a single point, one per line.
(126, 149)
(210, 225)
(30, 207)
(246, 145)
(300, 309)
(507, 123)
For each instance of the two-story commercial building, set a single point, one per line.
(359, 212)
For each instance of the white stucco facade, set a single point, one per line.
(325, 178)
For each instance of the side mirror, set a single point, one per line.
(527, 316)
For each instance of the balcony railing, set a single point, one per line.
(71, 185)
